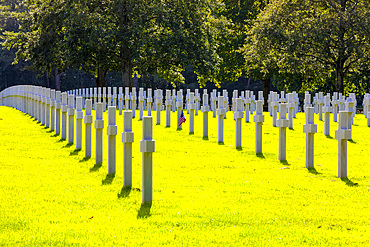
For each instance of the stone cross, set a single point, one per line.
(364, 104)
(115, 97)
(133, 99)
(52, 107)
(296, 103)
(141, 103)
(247, 102)
(127, 140)
(147, 147)
(238, 115)
(158, 102)
(88, 121)
(79, 117)
(104, 99)
(221, 112)
(269, 103)
(120, 99)
(83, 97)
(253, 102)
(282, 97)
(343, 134)
(47, 113)
(316, 103)
(95, 96)
(58, 106)
(43, 105)
(99, 126)
(282, 123)
(274, 105)
(99, 94)
(327, 110)
(187, 100)
(64, 115)
(335, 104)
(290, 109)
(226, 101)
(191, 107)
(310, 128)
(112, 133)
(214, 100)
(320, 104)
(71, 114)
(168, 103)
(205, 109)
(350, 104)
(179, 106)
(259, 118)
(149, 101)
(173, 100)
(127, 98)
(233, 102)
(196, 98)
(342, 101)
(109, 96)
(367, 113)
(307, 100)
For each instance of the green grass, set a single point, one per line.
(204, 193)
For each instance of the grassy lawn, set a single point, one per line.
(204, 193)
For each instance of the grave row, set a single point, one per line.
(41, 102)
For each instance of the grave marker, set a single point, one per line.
(127, 139)
(71, 114)
(64, 115)
(343, 134)
(282, 123)
(147, 147)
(259, 118)
(205, 110)
(191, 107)
(221, 112)
(112, 133)
(310, 128)
(179, 105)
(99, 126)
(238, 115)
(168, 108)
(79, 117)
(52, 108)
(120, 99)
(88, 122)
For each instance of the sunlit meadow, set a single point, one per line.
(204, 193)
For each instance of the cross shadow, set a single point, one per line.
(144, 211)
(68, 145)
(329, 137)
(85, 159)
(221, 143)
(205, 138)
(313, 171)
(284, 162)
(75, 152)
(61, 140)
(96, 167)
(239, 148)
(55, 135)
(191, 133)
(178, 129)
(260, 155)
(125, 192)
(108, 179)
(292, 129)
(349, 182)
(50, 131)
(46, 127)
(352, 141)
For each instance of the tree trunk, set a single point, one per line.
(126, 67)
(100, 79)
(266, 90)
(47, 80)
(57, 79)
(339, 77)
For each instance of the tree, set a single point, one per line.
(157, 37)
(319, 39)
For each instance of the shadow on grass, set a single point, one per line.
(95, 168)
(239, 148)
(191, 133)
(144, 211)
(61, 140)
(46, 128)
(178, 129)
(75, 152)
(329, 137)
(108, 179)
(55, 135)
(284, 162)
(125, 192)
(85, 159)
(50, 131)
(221, 143)
(205, 138)
(349, 182)
(352, 141)
(313, 171)
(68, 145)
(260, 155)
(167, 127)
(292, 129)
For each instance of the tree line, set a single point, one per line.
(294, 45)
